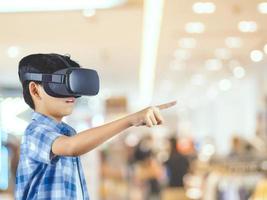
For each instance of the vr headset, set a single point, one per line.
(68, 82)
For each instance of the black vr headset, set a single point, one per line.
(68, 82)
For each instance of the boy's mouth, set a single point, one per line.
(70, 100)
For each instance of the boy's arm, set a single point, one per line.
(87, 140)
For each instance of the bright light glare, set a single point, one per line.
(239, 72)
(195, 27)
(256, 55)
(262, 7)
(247, 26)
(182, 54)
(10, 108)
(204, 7)
(194, 193)
(13, 51)
(187, 43)
(153, 11)
(89, 13)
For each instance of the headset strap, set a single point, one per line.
(53, 78)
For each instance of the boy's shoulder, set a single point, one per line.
(37, 126)
(36, 131)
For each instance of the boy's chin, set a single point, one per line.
(67, 112)
(64, 112)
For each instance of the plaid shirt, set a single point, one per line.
(40, 174)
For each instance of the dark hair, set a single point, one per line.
(173, 144)
(41, 63)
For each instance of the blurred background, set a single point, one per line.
(210, 56)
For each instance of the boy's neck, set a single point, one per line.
(57, 119)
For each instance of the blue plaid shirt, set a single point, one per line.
(42, 175)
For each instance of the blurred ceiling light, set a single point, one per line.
(256, 55)
(198, 79)
(182, 54)
(265, 48)
(225, 84)
(247, 26)
(187, 43)
(223, 53)
(239, 72)
(89, 13)
(55, 5)
(153, 11)
(195, 27)
(13, 51)
(213, 64)
(233, 42)
(204, 7)
(262, 7)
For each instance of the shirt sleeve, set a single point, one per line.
(39, 142)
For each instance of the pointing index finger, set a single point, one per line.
(166, 105)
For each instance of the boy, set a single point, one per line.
(49, 166)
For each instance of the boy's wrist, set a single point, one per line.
(131, 119)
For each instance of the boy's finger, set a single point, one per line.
(158, 116)
(166, 105)
(148, 122)
(153, 119)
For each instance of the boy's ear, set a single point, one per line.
(34, 89)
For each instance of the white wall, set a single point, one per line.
(232, 112)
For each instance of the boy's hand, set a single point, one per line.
(87, 140)
(150, 116)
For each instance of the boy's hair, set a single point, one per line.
(41, 63)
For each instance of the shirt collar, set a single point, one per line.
(44, 119)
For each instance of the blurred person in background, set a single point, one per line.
(144, 146)
(237, 148)
(149, 174)
(242, 148)
(147, 171)
(12, 144)
(176, 166)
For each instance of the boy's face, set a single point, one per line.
(57, 107)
